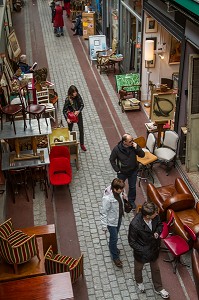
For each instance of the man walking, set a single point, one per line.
(111, 213)
(144, 238)
(124, 162)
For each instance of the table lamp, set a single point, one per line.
(149, 56)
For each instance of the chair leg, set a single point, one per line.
(176, 261)
(15, 269)
(38, 124)
(13, 121)
(38, 251)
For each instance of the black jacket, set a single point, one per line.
(141, 238)
(77, 105)
(124, 159)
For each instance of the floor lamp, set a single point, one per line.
(149, 56)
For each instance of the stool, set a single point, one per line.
(39, 174)
(19, 177)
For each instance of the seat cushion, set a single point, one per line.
(165, 154)
(17, 237)
(35, 108)
(60, 179)
(70, 261)
(6, 229)
(167, 191)
(177, 245)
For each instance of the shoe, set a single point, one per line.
(141, 287)
(163, 293)
(58, 35)
(83, 147)
(62, 34)
(118, 251)
(118, 263)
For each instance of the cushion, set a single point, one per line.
(6, 228)
(164, 154)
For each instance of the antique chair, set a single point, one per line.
(59, 151)
(105, 58)
(146, 163)
(16, 247)
(60, 172)
(165, 197)
(39, 174)
(167, 152)
(195, 268)
(35, 110)
(19, 178)
(176, 244)
(43, 98)
(57, 263)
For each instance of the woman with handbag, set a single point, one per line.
(72, 111)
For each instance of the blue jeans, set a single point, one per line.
(132, 178)
(113, 240)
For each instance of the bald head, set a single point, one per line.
(127, 140)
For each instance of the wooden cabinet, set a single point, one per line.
(182, 149)
(89, 24)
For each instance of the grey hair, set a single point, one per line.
(23, 58)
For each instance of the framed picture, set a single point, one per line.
(162, 107)
(153, 39)
(175, 51)
(175, 78)
(14, 44)
(8, 67)
(151, 25)
(151, 63)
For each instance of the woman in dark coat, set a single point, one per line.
(58, 21)
(74, 103)
(144, 238)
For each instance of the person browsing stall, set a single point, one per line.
(124, 162)
(74, 103)
(144, 238)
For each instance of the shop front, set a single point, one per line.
(174, 31)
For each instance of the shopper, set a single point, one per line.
(144, 238)
(67, 7)
(111, 213)
(78, 25)
(58, 21)
(124, 162)
(74, 103)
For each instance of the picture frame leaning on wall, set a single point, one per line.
(14, 44)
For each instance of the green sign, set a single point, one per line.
(190, 5)
(128, 80)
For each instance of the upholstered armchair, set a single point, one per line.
(195, 268)
(16, 247)
(57, 263)
(175, 196)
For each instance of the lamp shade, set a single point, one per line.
(149, 50)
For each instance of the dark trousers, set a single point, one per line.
(132, 178)
(155, 273)
(113, 240)
(81, 128)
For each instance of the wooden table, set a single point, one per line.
(47, 287)
(32, 268)
(145, 171)
(48, 234)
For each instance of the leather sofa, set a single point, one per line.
(174, 196)
(195, 268)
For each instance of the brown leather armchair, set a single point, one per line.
(195, 268)
(175, 196)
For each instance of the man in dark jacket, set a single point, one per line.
(144, 238)
(124, 162)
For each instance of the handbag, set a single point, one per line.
(127, 206)
(72, 117)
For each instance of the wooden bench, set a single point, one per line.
(48, 234)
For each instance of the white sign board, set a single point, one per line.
(96, 43)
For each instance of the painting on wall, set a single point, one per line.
(151, 25)
(162, 107)
(14, 44)
(175, 51)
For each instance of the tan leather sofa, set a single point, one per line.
(174, 196)
(195, 268)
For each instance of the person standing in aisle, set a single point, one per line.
(124, 162)
(74, 103)
(111, 214)
(67, 7)
(58, 21)
(144, 238)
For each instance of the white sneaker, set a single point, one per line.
(163, 293)
(141, 287)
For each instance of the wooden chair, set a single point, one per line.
(35, 110)
(57, 263)
(43, 98)
(16, 247)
